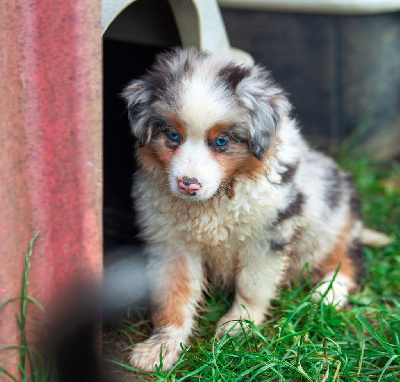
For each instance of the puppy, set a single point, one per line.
(228, 192)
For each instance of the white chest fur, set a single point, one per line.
(215, 229)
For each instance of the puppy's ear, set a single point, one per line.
(137, 96)
(267, 105)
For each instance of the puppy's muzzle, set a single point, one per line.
(189, 186)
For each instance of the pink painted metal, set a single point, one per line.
(50, 149)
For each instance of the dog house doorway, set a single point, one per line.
(130, 44)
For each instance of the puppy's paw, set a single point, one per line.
(335, 294)
(146, 355)
(231, 325)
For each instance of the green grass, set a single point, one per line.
(303, 340)
(30, 366)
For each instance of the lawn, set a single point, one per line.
(303, 340)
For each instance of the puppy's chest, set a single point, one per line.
(219, 233)
(219, 229)
(223, 226)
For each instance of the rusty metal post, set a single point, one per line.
(50, 149)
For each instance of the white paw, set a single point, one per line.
(146, 355)
(337, 293)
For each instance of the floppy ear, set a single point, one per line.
(137, 96)
(267, 105)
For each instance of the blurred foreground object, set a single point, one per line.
(73, 343)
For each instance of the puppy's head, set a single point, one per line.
(204, 118)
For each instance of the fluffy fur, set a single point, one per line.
(229, 192)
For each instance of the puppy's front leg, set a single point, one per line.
(177, 285)
(255, 285)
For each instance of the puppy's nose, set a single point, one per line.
(189, 186)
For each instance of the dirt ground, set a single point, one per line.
(118, 341)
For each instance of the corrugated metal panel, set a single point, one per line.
(51, 147)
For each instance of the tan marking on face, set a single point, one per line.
(178, 125)
(170, 307)
(148, 158)
(164, 150)
(238, 159)
(338, 255)
(157, 152)
(215, 131)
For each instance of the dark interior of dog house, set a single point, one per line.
(341, 73)
(126, 57)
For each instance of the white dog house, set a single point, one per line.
(199, 23)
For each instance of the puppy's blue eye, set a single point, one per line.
(221, 141)
(173, 135)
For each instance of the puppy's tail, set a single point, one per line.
(374, 238)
